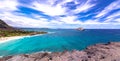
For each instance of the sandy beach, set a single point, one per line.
(6, 39)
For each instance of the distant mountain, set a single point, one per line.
(4, 25)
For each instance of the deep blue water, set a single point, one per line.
(59, 40)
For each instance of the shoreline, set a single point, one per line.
(7, 39)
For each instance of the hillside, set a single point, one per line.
(3, 25)
(7, 31)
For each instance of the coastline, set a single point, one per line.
(97, 52)
(6, 39)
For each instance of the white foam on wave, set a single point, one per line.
(1, 56)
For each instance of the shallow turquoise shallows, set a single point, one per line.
(59, 40)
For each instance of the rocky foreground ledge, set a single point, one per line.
(98, 52)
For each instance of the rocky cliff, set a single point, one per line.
(98, 52)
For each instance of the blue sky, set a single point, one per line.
(61, 13)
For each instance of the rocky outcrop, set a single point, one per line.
(80, 28)
(98, 52)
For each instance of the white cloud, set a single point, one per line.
(84, 7)
(49, 9)
(7, 8)
(67, 22)
(8, 5)
(117, 20)
(91, 22)
(54, 22)
(101, 26)
(113, 17)
(70, 20)
(59, 9)
(112, 6)
(22, 21)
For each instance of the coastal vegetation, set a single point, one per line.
(7, 31)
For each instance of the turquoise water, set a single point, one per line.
(59, 40)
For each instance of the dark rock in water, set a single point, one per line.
(98, 52)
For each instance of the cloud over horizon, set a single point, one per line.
(61, 13)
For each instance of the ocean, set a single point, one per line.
(58, 40)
